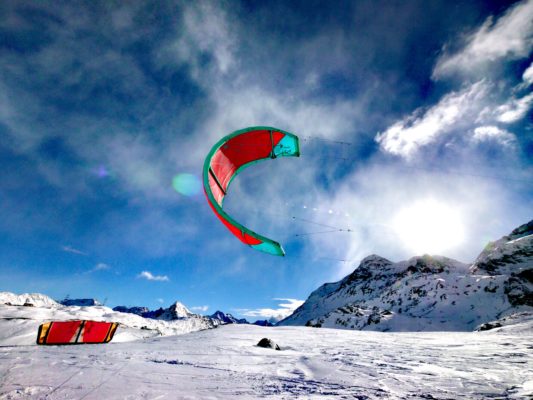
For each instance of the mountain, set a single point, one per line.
(80, 302)
(263, 322)
(141, 311)
(227, 318)
(175, 311)
(428, 293)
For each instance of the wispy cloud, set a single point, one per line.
(284, 310)
(509, 37)
(495, 134)
(70, 249)
(149, 276)
(515, 109)
(99, 267)
(422, 128)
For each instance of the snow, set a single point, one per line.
(31, 299)
(225, 362)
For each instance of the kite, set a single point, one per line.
(76, 332)
(229, 157)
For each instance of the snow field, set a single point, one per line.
(224, 363)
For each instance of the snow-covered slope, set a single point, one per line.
(428, 293)
(225, 363)
(19, 323)
(27, 299)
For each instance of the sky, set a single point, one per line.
(414, 119)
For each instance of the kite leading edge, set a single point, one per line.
(229, 157)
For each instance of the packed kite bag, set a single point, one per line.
(76, 332)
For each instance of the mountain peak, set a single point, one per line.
(227, 318)
(522, 230)
(375, 259)
(179, 310)
(507, 255)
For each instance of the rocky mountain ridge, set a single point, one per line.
(428, 293)
(227, 318)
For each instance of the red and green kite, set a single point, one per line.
(230, 156)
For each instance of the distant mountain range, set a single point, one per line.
(179, 311)
(428, 293)
(228, 318)
(225, 318)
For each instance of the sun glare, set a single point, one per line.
(429, 226)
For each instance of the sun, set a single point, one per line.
(429, 226)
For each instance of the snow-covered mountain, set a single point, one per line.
(132, 310)
(174, 312)
(428, 293)
(227, 318)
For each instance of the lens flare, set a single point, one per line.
(186, 184)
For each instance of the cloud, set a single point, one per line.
(493, 133)
(200, 308)
(514, 110)
(149, 276)
(510, 37)
(405, 137)
(70, 249)
(283, 311)
(99, 267)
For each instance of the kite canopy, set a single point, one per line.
(229, 157)
(76, 332)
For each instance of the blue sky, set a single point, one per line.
(414, 118)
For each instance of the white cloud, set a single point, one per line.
(493, 133)
(200, 308)
(405, 137)
(70, 249)
(149, 276)
(511, 36)
(99, 267)
(514, 110)
(283, 311)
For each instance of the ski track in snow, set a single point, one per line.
(224, 363)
